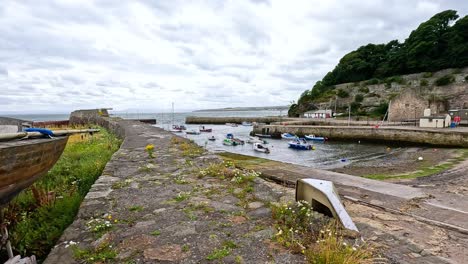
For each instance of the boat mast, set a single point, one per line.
(173, 113)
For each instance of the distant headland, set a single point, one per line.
(283, 107)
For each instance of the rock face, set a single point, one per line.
(409, 94)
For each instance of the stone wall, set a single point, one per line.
(449, 138)
(13, 122)
(87, 116)
(409, 105)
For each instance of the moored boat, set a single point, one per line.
(204, 129)
(288, 136)
(253, 140)
(231, 124)
(229, 142)
(315, 138)
(176, 129)
(237, 140)
(263, 135)
(192, 132)
(300, 143)
(245, 123)
(212, 138)
(261, 148)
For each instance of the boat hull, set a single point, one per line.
(300, 147)
(315, 138)
(22, 162)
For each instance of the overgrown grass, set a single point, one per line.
(188, 148)
(225, 250)
(317, 237)
(424, 171)
(105, 253)
(39, 215)
(244, 161)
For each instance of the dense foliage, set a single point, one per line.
(40, 214)
(439, 43)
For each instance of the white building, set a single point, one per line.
(318, 114)
(435, 121)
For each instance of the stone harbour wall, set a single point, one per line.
(437, 137)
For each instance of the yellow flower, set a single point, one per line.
(149, 147)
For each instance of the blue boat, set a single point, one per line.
(314, 138)
(300, 143)
(288, 136)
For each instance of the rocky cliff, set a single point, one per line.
(440, 91)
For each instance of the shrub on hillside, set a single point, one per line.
(358, 98)
(427, 75)
(355, 107)
(456, 71)
(445, 80)
(395, 79)
(372, 81)
(466, 78)
(364, 89)
(342, 93)
(373, 95)
(423, 82)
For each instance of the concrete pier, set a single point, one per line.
(449, 137)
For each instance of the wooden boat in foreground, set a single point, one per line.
(24, 161)
(26, 156)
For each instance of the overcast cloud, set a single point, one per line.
(64, 55)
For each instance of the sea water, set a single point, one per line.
(327, 155)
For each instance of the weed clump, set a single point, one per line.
(319, 238)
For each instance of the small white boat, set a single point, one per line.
(253, 140)
(192, 132)
(231, 124)
(288, 136)
(245, 123)
(260, 148)
(314, 138)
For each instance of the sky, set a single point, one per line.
(61, 55)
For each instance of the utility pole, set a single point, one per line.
(349, 114)
(172, 113)
(336, 98)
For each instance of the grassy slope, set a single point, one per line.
(40, 214)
